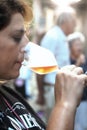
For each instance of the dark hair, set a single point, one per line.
(10, 7)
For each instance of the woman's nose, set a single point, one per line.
(25, 42)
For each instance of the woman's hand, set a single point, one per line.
(69, 85)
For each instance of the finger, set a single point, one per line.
(68, 67)
(83, 78)
(78, 70)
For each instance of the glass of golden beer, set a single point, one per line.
(40, 60)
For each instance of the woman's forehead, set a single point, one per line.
(17, 22)
(16, 25)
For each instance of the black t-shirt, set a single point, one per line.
(84, 66)
(16, 113)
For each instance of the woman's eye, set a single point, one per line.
(17, 39)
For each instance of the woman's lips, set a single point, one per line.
(19, 62)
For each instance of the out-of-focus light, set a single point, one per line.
(65, 2)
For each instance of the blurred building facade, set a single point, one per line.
(81, 9)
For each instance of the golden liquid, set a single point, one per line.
(44, 70)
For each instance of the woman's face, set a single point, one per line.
(77, 48)
(12, 42)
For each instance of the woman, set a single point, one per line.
(15, 113)
(13, 14)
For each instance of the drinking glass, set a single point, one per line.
(38, 59)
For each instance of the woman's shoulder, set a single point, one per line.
(11, 94)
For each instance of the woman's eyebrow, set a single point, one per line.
(21, 31)
(18, 32)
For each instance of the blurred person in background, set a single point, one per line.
(76, 42)
(56, 41)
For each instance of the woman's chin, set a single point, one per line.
(14, 76)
